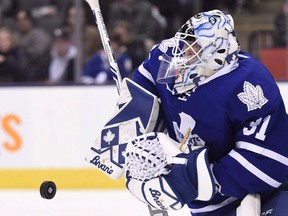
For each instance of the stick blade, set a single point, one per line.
(93, 4)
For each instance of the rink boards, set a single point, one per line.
(45, 133)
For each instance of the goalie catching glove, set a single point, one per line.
(159, 174)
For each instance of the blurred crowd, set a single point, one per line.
(57, 41)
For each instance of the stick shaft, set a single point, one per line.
(157, 212)
(106, 43)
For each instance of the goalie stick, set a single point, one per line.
(157, 212)
(95, 7)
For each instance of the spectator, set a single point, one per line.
(137, 49)
(6, 6)
(10, 56)
(97, 70)
(49, 14)
(35, 43)
(188, 7)
(105, 8)
(91, 41)
(60, 67)
(280, 23)
(6, 19)
(141, 15)
(172, 11)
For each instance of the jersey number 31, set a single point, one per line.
(260, 125)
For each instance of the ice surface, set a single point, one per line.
(74, 203)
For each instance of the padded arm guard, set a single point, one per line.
(186, 177)
(193, 180)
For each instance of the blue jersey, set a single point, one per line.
(239, 114)
(98, 68)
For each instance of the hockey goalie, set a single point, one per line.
(224, 147)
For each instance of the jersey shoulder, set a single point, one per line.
(249, 90)
(152, 63)
(148, 70)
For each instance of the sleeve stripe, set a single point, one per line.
(254, 170)
(214, 207)
(262, 151)
(146, 73)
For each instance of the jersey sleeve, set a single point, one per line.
(143, 74)
(258, 162)
(93, 67)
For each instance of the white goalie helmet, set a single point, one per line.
(203, 45)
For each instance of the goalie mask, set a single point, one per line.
(204, 44)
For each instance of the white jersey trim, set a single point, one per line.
(262, 151)
(214, 207)
(146, 73)
(254, 170)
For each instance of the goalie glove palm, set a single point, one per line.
(188, 178)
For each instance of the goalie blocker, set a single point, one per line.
(130, 119)
(164, 177)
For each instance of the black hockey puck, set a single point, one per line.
(48, 189)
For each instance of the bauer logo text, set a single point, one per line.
(156, 197)
(97, 162)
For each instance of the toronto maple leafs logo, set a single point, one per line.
(252, 96)
(187, 124)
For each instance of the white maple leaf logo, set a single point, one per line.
(109, 137)
(252, 96)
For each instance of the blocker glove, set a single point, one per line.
(159, 174)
